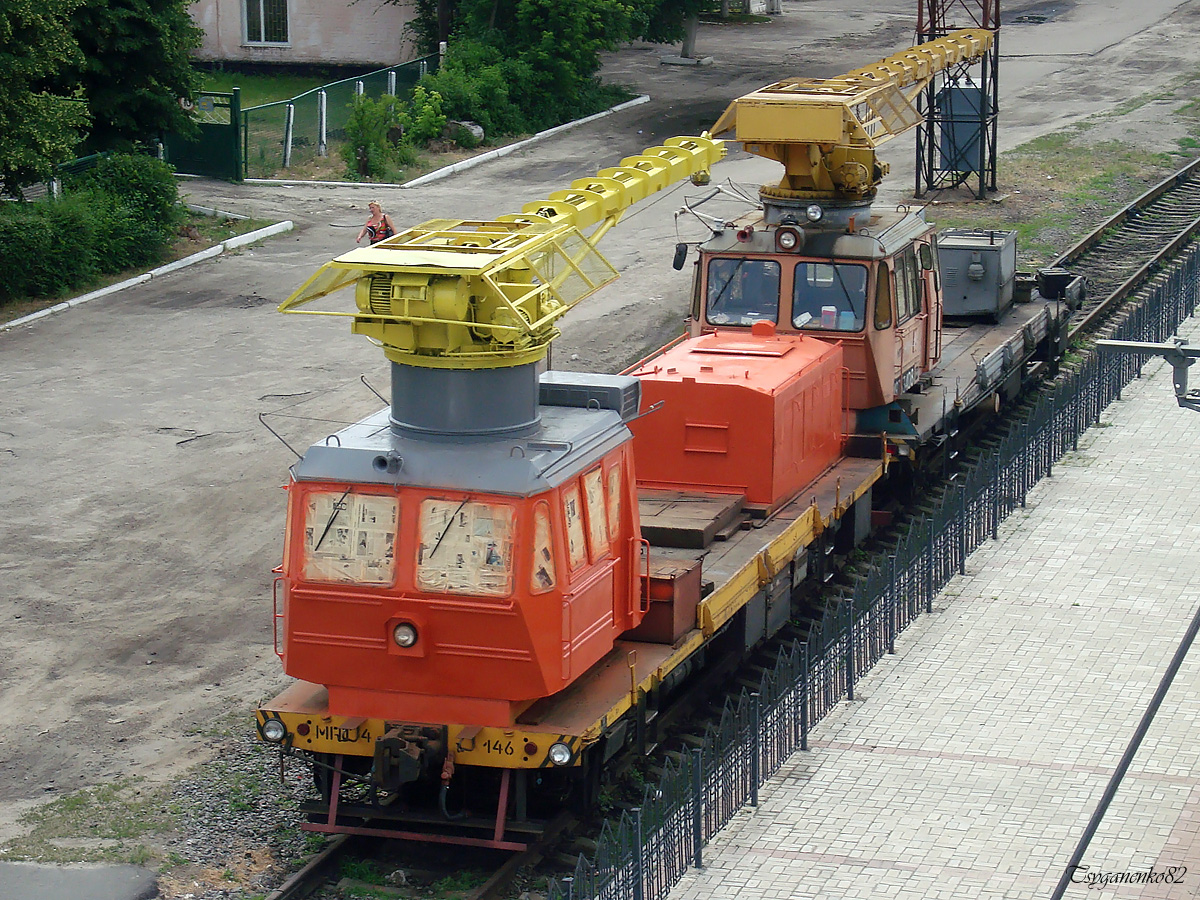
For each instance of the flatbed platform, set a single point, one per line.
(977, 355)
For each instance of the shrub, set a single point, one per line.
(381, 135)
(125, 237)
(473, 83)
(27, 241)
(142, 183)
(463, 137)
(423, 120)
(118, 216)
(368, 149)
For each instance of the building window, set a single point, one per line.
(266, 21)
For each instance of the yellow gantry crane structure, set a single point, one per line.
(453, 294)
(825, 130)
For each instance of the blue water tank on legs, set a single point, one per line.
(962, 112)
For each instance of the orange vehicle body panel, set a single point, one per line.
(478, 660)
(753, 413)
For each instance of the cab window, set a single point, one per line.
(542, 576)
(742, 291)
(883, 298)
(573, 519)
(908, 285)
(350, 538)
(465, 547)
(614, 501)
(597, 516)
(829, 296)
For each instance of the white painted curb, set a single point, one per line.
(454, 168)
(188, 260)
(240, 241)
(270, 231)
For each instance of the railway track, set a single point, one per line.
(322, 875)
(1118, 256)
(1117, 259)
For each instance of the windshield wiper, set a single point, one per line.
(449, 522)
(337, 508)
(728, 281)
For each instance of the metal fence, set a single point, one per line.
(646, 851)
(53, 187)
(289, 133)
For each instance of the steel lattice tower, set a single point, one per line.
(957, 139)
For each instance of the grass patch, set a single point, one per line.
(1054, 189)
(1066, 184)
(364, 870)
(457, 885)
(259, 89)
(101, 824)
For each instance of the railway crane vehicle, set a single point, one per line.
(495, 584)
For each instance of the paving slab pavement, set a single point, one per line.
(971, 761)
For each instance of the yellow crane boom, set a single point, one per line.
(454, 294)
(825, 130)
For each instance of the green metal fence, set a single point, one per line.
(290, 133)
(215, 151)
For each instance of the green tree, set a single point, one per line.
(523, 65)
(38, 128)
(135, 68)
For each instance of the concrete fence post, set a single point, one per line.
(288, 125)
(322, 125)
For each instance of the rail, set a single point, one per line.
(645, 852)
(1122, 252)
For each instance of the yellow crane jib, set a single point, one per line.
(825, 130)
(484, 294)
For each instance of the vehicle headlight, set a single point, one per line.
(560, 754)
(274, 731)
(814, 213)
(787, 238)
(405, 635)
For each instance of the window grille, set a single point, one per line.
(266, 21)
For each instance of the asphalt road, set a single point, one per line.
(142, 515)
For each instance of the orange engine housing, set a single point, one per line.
(512, 598)
(759, 414)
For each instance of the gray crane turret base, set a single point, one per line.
(464, 402)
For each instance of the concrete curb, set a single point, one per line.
(233, 243)
(454, 168)
(213, 212)
(250, 237)
(447, 171)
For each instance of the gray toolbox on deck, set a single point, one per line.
(978, 269)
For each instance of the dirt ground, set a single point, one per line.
(142, 515)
